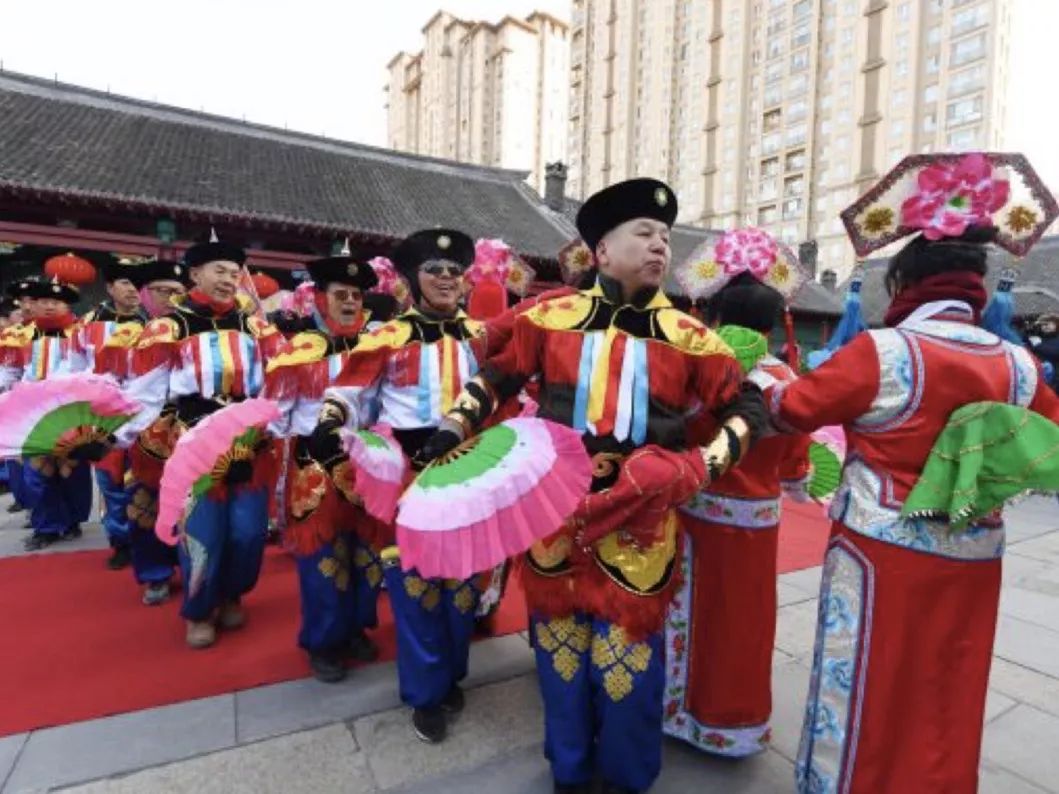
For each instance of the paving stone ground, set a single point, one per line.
(302, 736)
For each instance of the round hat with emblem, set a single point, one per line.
(341, 270)
(54, 290)
(422, 246)
(161, 270)
(625, 201)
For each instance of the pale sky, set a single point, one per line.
(319, 65)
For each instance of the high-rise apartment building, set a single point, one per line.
(483, 93)
(779, 113)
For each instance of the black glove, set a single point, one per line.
(437, 445)
(92, 452)
(239, 472)
(324, 444)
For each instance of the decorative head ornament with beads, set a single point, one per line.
(749, 250)
(575, 259)
(942, 195)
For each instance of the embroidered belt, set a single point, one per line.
(743, 513)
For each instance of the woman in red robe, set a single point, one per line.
(908, 606)
(721, 627)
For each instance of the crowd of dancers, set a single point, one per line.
(653, 609)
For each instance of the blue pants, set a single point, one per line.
(602, 701)
(115, 504)
(16, 481)
(339, 590)
(56, 503)
(435, 621)
(222, 549)
(152, 560)
(5, 473)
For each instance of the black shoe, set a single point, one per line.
(38, 541)
(429, 724)
(610, 788)
(120, 558)
(454, 701)
(362, 649)
(327, 667)
(572, 788)
(73, 532)
(15, 507)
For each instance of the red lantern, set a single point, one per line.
(265, 285)
(70, 269)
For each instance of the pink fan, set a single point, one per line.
(492, 498)
(52, 417)
(202, 456)
(380, 467)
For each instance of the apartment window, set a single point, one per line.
(796, 160)
(800, 35)
(770, 167)
(897, 128)
(901, 67)
(775, 47)
(793, 186)
(773, 95)
(801, 9)
(774, 72)
(797, 109)
(770, 143)
(967, 50)
(766, 215)
(963, 139)
(772, 121)
(930, 93)
(903, 12)
(967, 80)
(797, 85)
(936, 6)
(841, 143)
(934, 35)
(930, 122)
(799, 61)
(796, 134)
(898, 99)
(847, 35)
(964, 110)
(767, 189)
(792, 208)
(901, 42)
(933, 64)
(969, 19)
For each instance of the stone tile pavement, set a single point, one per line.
(302, 736)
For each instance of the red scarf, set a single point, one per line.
(337, 329)
(219, 308)
(59, 322)
(958, 285)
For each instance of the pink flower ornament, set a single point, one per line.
(951, 197)
(386, 273)
(492, 260)
(750, 250)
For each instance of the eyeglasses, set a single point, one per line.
(441, 269)
(166, 292)
(343, 295)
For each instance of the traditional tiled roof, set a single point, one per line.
(1036, 290)
(89, 148)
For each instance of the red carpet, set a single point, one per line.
(803, 536)
(78, 644)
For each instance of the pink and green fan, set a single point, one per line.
(380, 467)
(491, 498)
(55, 416)
(202, 457)
(827, 453)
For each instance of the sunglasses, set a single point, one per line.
(343, 295)
(440, 269)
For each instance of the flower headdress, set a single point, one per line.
(942, 195)
(494, 260)
(390, 283)
(748, 250)
(575, 259)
